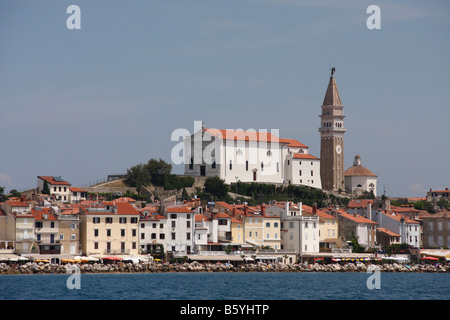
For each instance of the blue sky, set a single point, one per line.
(87, 103)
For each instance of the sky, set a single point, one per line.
(85, 103)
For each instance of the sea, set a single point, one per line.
(257, 286)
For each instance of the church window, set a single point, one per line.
(269, 153)
(262, 166)
(300, 172)
(312, 173)
(231, 164)
(278, 167)
(213, 165)
(246, 165)
(239, 152)
(191, 165)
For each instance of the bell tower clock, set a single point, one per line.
(332, 139)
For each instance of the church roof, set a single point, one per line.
(332, 97)
(358, 170)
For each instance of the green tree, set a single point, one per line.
(45, 189)
(138, 175)
(2, 195)
(159, 171)
(216, 187)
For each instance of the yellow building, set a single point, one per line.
(328, 229)
(109, 228)
(261, 229)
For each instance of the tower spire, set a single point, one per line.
(332, 97)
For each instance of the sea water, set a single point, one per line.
(227, 286)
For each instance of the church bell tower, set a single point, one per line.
(332, 139)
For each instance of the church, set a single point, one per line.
(250, 156)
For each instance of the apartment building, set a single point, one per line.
(109, 228)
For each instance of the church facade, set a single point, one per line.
(250, 156)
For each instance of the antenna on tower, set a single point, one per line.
(333, 70)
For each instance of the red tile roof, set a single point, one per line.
(17, 203)
(179, 210)
(51, 180)
(304, 156)
(355, 217)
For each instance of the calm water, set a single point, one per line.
(227, 286)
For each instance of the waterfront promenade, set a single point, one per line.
(151, 267)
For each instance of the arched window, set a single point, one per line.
(269, 153)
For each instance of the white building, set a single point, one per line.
(359, 179)
(181, 225)
(153, 231)
(299, 232)
(59, 189)
(250, 156)
(409, 230)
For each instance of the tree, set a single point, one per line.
(2, 195)
(45, 189)
(159, 171)
(216, 187)
(138, 175)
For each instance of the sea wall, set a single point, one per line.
(46, 268)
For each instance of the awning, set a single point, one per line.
(429, 258)
(112, 258)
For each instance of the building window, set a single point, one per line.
(133, 232)
(96, 245)
(269, 153)
(173, 235)
(95, 232)
(122, 220)
(96, 220)
(278, 167)
(122, 232)
(162, 236)
(108, 220)
(213, 165)
(300, 172)
(262, 166)
(134, 220)
(173, 224)
(191, 164)
(246, 165)
(108, 232)
(188, 236)
(312, 173)
(142, 236)
(267, 224)
(231, 164)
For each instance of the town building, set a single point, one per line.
(181, 224)
(408, 229)
(153, 231)
(354, 225)
(58, 188)
(109, 228)
(436, 230)
(19, 229)
(47, 230)
(77, 195)
(299, 230)
(359, 179)
(69, 230)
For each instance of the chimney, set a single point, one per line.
(214, 214)
(300, 208)
(263, 209)
(286, 208)
(446, 189)
(245, 210)
(314, 208)
(369, 211)
(234, 211)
